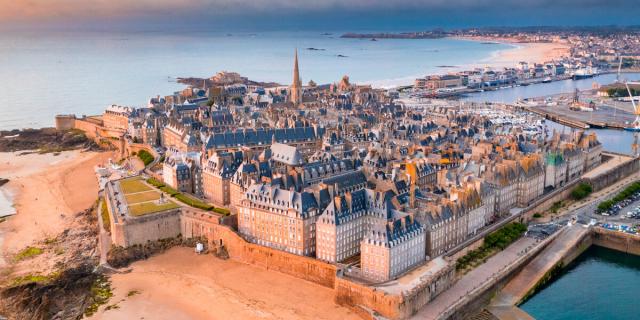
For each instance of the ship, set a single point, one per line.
(584, 73)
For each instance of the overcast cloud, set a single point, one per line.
(491, 11)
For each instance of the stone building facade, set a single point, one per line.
(390, 251)
(279, 219)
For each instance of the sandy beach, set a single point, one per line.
(182, 285)
(530, 52)
(46, 190)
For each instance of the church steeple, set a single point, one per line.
(296, 86)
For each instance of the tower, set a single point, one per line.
(296, 86)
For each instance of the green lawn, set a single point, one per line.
(133, 185)
(141, 209)
(142, 197)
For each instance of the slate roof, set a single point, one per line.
(262, 136)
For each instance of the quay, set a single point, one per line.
(561, 119)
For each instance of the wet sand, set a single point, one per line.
(46, 190)
(182, 285)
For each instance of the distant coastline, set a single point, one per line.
(403, 35)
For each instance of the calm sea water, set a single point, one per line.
(600, 285)
(45, 74)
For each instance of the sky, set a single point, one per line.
(312, 14)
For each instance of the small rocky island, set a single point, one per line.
(223, 78)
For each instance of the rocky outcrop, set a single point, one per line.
(66, 292)
(44, 140)
(66, 297)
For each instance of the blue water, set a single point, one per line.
(600, 285)
(43, 74)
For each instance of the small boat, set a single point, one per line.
(633, 129)
(546, 80)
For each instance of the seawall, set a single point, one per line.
(615, 240)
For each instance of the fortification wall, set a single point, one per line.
(147, 228)
(91, 128)
(65, 121)
(614, 175)
(196, 224)
(349, 293)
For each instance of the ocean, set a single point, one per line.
(44, 74)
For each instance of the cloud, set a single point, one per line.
(89, 10)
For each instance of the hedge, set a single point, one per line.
(499, 239)
(145, 156)
(188, 200)
(193, 202)
(224, 211)
(154, 182)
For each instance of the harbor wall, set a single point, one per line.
(615, 240)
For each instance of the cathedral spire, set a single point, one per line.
(296, 86)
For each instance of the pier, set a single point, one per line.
(561, 119)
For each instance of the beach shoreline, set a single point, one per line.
(46, 191)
